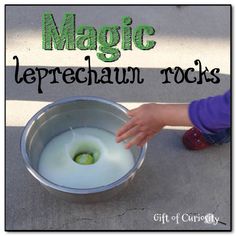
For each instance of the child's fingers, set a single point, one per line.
(142, 142)
(135, 140)
(130, 124)
(131, 132)
(145, 140)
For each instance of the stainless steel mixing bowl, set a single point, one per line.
(76, 112)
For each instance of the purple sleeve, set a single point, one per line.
(211, 114)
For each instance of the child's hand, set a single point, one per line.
(142, 126)
(149, 119)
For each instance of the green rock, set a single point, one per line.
(84, 159)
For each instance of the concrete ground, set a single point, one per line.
(172, 179)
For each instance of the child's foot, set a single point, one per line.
(194, 140)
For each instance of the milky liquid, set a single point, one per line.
(57, 165)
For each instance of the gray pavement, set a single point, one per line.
(172, 179)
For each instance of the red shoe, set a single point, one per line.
(194, 140)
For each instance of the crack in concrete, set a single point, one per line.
(131, 209)
(221, 222)
(85, 219)
(91, 219)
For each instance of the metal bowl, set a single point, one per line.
(76, 112)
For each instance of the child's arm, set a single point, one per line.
(149, 119)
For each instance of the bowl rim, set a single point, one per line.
(52, 185)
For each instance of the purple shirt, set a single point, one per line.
(211, 114)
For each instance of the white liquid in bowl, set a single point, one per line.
(57, 165)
